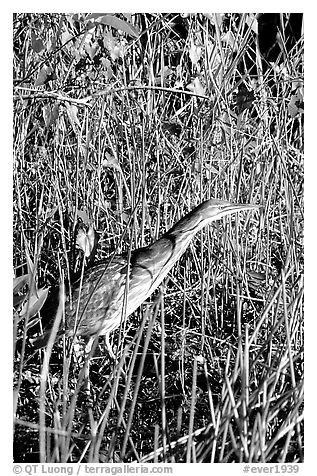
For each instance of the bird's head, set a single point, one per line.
(207, 212)
(215, 209)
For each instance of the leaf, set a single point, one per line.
(34, 303)
(94, 16)
(78, 17)
(163, 75)
(50, 115)
(92, 50)
(65, 37)
(83, 216)
(179, 84)
(86, 240)
(18, 300)
(128, 16)
(252, 22)
(115, 49)
(196, 87)
(110, 161)
(215, 18)
(41, 78)
(19, 282)
(29, 262)
(119, 24)
(46, 74)
(230, 40)
(194, 53)
(107, 66)
(296, 104)
(51, 44)
(72, 111)
(47, 112)
(37, 43)
(55, 112)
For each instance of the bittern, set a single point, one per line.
(110, 291)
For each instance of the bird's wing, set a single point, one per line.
(93, 305)
(95, 302)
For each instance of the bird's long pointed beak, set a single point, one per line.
(237, 207)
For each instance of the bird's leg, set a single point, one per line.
(112, 355)
(81, 356)
(108, 345)
(87, 357)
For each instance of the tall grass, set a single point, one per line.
(210, 369)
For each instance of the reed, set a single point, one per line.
(210, 369)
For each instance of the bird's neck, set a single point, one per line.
(159, 257)
(176, 240)
(187, 227)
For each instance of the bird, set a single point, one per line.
(111, 290)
